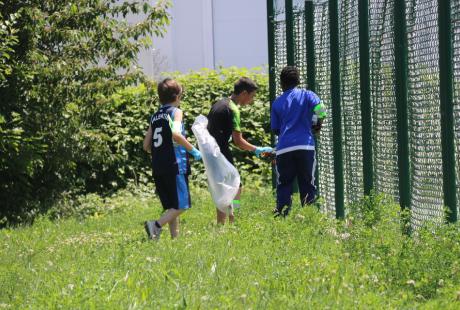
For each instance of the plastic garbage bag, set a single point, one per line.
(223, 178)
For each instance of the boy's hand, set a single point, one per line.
(268, 157)
(259, 150)
(195, 153)
(316, 128)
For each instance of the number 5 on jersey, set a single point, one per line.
(157, 138)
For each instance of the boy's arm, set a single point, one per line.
(320, 112)
(148, 140)
(176, 131)
(241, 143)
(180, 139)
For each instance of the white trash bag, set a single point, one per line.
(223, 178)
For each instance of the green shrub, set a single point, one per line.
(125, 118)
(100, 148)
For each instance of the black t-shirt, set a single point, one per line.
(220, 124)
(164, 159)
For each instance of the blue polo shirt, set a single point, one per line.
(291, 119)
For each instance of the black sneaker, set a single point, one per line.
(284, 211)
(276, 213)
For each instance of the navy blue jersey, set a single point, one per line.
(167, 157)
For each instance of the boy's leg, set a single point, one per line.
(220, 216)
(231, 216)
(183, 203)
(175, 197)
(285, 174)
(306, 165)
(154, 228)
(174, 227)
(169, 216)
(163, 184)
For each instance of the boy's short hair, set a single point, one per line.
(168, 90)
(244, 84)
(289, 77)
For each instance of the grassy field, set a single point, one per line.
(307, 261)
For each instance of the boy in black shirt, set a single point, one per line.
(224, 123)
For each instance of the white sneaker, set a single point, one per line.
(153, 232)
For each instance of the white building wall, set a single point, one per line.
(210, 33)
(240, 33)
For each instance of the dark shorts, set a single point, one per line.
(173, 191)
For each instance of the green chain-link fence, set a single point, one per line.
(405, 50)
(456, 76)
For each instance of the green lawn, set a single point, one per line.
(305, 261)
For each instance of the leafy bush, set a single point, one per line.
(125, 118)
(57, 59)
(99, 146)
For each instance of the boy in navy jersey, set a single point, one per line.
(166, 141)
(291, 120)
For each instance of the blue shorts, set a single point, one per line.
(173, 191)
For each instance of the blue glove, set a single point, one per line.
(259, 150)
(195, 153)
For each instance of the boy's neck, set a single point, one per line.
(234, 98)
(173, 104)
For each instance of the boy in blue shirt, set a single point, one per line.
(166, 141)
(291, 119)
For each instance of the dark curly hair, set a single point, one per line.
(289, 77)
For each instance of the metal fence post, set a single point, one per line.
(271, 67)
(336, 108)
(366, 111)
(401, 55)
(310, 44)
(290, 44)
(447, 112)
(309, 15)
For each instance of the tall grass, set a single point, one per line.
(102, 260)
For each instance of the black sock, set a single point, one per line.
(157, 224)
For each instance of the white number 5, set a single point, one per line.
(157, 138)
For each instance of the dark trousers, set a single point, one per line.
(300, 165)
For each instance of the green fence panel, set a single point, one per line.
(424, 113)
(323, 88)
(300, 46)
(351, 101)
(383, 98)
